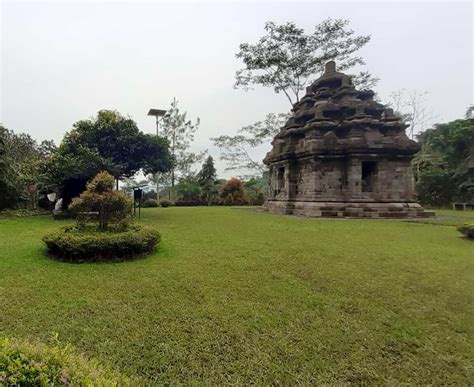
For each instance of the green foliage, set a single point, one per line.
(26, 364)
(121, 145)
(100, 203)
(188, 189)
(149, 195)
(109, 142)
(150, 203)
(180, 132)
(237, 149)
(436, 187)
(8, 185)
(467, 229)
(233, 192)
(207, 179)
(255, 189)
(453, 141)
(165, 203)
(445, 166)
(21, 161)
(85, 244)
(286, 57)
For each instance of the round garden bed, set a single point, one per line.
(87, 244)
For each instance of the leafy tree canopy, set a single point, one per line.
(237, 149)
(286, 58)
(180, 131)
(445, 165)
(21, 158)
(188, 188)
(108, 142)
(233, 192)
(119, 142)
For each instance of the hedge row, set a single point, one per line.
(77, 244)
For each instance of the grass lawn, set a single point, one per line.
(450, 217)
(238, 296)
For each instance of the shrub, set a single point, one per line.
(233, 192)
(165, 203)
(23, 363)
(436, 187)
(150, 203)
(467, 229)
(85, 244)
(149, 195)
(100, 204)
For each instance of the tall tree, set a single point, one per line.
(188, 189)
(8, 183)
(119, 142)
(286, 58)
(180, 133)
(207, 180)
(445, 166)
(469, 112)
(411, 105)
(109, 142)
(21, 159)
(237, 149)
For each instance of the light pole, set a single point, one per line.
(157, 113)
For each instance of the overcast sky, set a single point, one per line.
(64, 61)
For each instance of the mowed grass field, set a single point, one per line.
(236, 296)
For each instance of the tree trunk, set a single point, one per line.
(172, 183)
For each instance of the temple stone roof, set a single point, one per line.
(335, 118)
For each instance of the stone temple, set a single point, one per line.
(342, 154)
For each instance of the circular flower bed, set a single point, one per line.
(23, 363)
(87, 244)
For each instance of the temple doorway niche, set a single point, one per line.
(369, 175)
(280, 178)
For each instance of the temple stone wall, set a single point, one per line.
(342, 154)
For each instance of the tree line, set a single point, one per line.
(285, 58)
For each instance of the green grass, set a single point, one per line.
(449, 217)
(244, 297)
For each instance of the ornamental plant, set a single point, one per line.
(100, 204)
(35, 364)
(233, 192)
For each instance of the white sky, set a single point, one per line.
(64, 61)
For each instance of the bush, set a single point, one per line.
(150, 203)
(100, 203)
(233, 192)
(86, 244)
(166, 203)
(23, 363)
(436, 187)
(467, 229)
(149, 195)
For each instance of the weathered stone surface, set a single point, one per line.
(342, 154)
